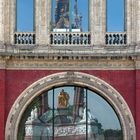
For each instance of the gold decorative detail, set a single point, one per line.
(63, 99)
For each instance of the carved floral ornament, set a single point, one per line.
(71, 78)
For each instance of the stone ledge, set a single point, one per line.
(82, 64)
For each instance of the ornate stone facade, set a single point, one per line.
(23, 65)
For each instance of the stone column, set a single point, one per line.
(91, 20)
(138, 22)
(1, 21)
(12, 20)
(98, 22)
(131, 21)
(42, 23)
(37, 20)
(9, 21)
(49, 17)
(102, 22)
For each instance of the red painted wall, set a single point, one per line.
(2, 103)
(126, 82)
(138, 103)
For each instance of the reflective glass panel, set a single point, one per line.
(115, 15)
(25, 16)
(69, 113)
(69, 15)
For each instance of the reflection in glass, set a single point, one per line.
(115, 15)
(70, 15)
(25, 15)
(69, 113)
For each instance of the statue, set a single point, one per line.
(63, 99)
(62, 14)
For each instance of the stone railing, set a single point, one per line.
(116, 39)
(71, 39)
(24, 38)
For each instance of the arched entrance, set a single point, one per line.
(71, 79)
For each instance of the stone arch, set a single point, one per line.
(71, 78)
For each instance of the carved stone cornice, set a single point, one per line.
(137, 64)
(71, 64)
(2, 63)
(109, 58)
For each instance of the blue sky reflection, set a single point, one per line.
(115, 15)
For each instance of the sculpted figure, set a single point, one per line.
(63, 99)
(62, 14)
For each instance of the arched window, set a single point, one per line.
(70, 15)
(24, 15)
(115, 15)
(72, 113)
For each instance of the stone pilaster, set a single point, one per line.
(131, 21)
(138, 23)
(6, 22)
(99, 23)
(12, 22)
(102, 22)
(91, 20)
(1, 21)
(37, 20)
(9, 21)
(42, 21)
(48, 25)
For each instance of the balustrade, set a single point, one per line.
(71, 39)
(116, 39)
(26, 38)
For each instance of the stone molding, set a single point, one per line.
(71, 65)
(71, 78)
(2, 64)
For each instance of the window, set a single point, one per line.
(25, 16)
(69, 112)
(115, 15)
(69, 15)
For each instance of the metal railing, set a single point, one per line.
(71, 38)
(116, 39)
(24, 38)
